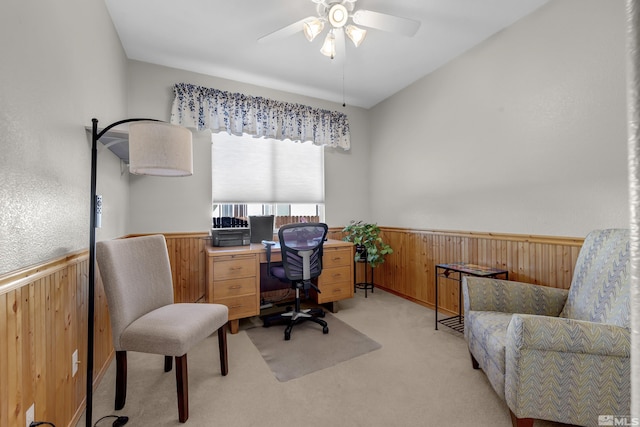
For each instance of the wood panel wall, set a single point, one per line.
(410, 270)
(43, 308)
(187, 257)
(43, 320)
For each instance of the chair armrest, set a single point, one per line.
(267, 245)
(567, 336)
(575, 369)
(507, 296)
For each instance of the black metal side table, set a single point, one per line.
(456, 271)
(366, 284)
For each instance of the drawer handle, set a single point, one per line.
(235, 287)
(337, 291)
(237, 306)
(235, 268)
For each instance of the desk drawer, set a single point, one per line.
(234, 269)
(335, 292)
(241, 307)
(234, 288)
(336, 275)
(337, 257)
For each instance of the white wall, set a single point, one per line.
(61, 64)
(526, 133)
(184, 204)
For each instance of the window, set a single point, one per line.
(260, 176)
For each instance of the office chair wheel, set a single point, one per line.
(325, 330)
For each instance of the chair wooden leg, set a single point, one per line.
(121, 379)
(474, 362)
(182, 386)
(520, 422)
(222, 345)
(168, 363)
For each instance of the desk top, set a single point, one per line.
(259, 248)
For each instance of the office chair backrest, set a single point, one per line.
(136, 275)
(301, 246)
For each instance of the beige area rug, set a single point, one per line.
(309, 350)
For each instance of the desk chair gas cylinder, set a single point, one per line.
(301, 245)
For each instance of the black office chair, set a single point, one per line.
(301, 246)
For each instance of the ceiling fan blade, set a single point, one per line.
(384, 22)
(283, 32)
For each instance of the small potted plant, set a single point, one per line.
(369, 244)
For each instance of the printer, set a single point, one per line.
(234, 236)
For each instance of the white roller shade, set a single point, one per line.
(259, 170)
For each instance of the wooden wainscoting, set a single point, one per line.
(43, 320)
(335, 233)
(187, 257)
(43, 308)
(410, 270)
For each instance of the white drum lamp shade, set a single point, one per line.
(159, 148)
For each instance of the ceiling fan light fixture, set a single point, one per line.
(356, 34)
(338, 15)
(329, 46)
(312, 28)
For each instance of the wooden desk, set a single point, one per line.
(233, 277)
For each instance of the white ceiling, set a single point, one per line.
(219, 38)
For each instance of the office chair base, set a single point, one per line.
(301, 317)
(285, 316)
(293, 317)
(306, 313)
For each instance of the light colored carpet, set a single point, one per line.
(420, 377)
(309, 350)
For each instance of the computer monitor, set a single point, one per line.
(261, 228)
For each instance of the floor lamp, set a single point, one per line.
(155, 148)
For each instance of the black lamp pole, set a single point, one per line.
(95, 137)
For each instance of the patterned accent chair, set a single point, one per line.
(554, 354)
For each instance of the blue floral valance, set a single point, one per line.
(206, 108)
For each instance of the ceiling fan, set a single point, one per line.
(337, 15)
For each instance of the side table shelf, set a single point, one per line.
(366, 284)
(455, 271)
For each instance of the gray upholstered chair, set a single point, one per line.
(137, 281)
(554, 354)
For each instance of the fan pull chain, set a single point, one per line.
(344, 104)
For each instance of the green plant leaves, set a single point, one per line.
(367, 235)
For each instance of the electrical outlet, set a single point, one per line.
(74, 363)
(30, 415)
